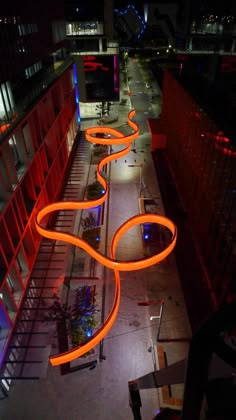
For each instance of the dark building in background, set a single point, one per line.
(201, 154)
(189, 26)
(198, 122)
(90, 39)
(31, 43)
(129, 23)
(206, 26)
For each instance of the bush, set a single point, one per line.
(92, 237)
(123, 101)
(94, 191)
(100, 150)
(83, 322)
(79, 318)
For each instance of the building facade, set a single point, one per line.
(90, 40)
(39, 121)
(202, 161)
(54, 66)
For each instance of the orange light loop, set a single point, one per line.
(111, 262)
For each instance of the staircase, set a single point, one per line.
(33, 340)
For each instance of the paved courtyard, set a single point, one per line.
(129, 349)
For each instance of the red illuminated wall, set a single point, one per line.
(204, 171)
(42, 144)
(158, 137)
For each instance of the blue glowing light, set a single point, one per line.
(76, 96)
(76, 92)
(75, 74)
(89, 333)
(146, 236)
(123, 12)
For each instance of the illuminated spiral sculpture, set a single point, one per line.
(117, 138)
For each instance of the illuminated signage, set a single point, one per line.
(91, 64)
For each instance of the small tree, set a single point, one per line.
(95, 190)
(92, 237)
(79, 318)
(89, 221)
(103, 109)
(100, 150)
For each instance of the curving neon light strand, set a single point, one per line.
(111, 262)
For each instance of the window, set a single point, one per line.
(6, 101)
(30, 71)
(10, 284)
(27, 28)
(13, 146)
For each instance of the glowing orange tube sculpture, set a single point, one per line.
(116, 138)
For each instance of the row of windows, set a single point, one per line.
(30, 71)
(6, 101)
(18, 151)
(84, 28)
(27, 28)
(31, 160)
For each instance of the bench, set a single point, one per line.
(166, 389)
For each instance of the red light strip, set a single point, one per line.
(4, 127)
(220, 140)
(116, 138)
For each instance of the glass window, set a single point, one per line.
(6, 100)
(13, 146)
